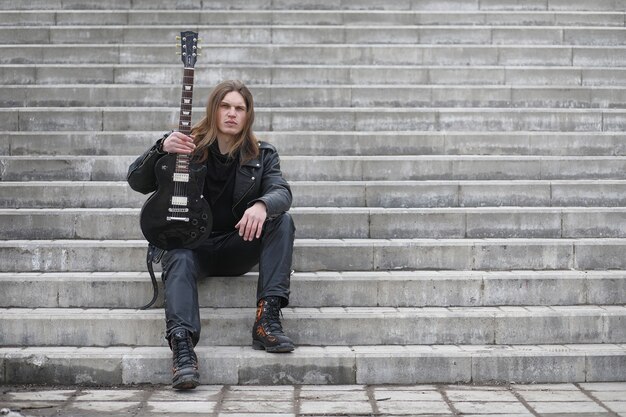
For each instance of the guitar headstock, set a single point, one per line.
(189, 48)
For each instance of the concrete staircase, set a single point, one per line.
(459, 178)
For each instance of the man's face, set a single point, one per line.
(231, 114)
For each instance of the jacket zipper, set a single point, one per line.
(241, 199)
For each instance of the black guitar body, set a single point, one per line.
(169, 226)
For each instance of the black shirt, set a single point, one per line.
(219, 186)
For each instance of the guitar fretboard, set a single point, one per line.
(184, 123)
(186, 102)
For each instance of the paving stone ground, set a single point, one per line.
(551, 400)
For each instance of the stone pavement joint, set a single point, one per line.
(597, 400)
(512, 400)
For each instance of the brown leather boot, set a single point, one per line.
(185, 362)
(267, 332)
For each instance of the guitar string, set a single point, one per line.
(182, 166)
(188, 81)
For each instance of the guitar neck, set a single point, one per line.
(186, 102)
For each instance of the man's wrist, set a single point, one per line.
(261, 204)
(159, 146)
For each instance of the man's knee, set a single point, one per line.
(180, 260)
(283, 223)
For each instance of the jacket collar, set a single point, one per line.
(254, 163)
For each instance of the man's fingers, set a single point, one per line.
(179, 143)
(243, 223)
(183, 149)
(245, 231)
(185, 142)
(257, 229)
(251, 228)
(251, 225)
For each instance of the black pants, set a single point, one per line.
(227, 255)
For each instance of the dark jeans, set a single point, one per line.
(227, 255)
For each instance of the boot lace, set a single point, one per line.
(273, 317)
(184, 355)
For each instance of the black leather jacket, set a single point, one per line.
(259, 179)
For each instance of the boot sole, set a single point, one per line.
(186, 382)
(256, 345)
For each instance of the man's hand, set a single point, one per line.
(251, 224)
(178, 142)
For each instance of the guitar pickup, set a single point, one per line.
(179, 201)
(180, 177)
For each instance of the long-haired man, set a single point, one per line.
(249, 199)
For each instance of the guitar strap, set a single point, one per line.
(153, 255)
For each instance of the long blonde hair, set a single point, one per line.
(205, 131)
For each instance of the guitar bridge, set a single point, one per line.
(179, 219)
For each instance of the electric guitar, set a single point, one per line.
(176, 215)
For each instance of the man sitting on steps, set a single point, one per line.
(249, 199)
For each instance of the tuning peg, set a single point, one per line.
(199, 48)
(178, 38)
(177, 52)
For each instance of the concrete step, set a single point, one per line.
(325, 96)
(335, 143)
(486, 364)
(460, 5)
(410, 194)
(309, 17)
(327, 289)
(345, 223)
(318, 34)
(328, 326)
(344, 168)
(277, 75)
(344, 54)
(311, 255)
(370, 119)
(504, 326)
